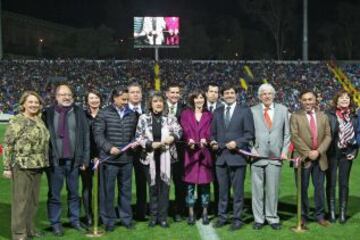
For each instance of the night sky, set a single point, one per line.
(92, 13)
(118, 15)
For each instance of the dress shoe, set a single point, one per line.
(129, 226)
(219, 224)
(78, 227)
(275, 226)
(177, 218)
(324, 223)
(205, 219)
(152, 223)
(191, 220)
(109, 228)
(236, 226)
(89, 222)
(164, 224)
(257, 226)
(58, 231)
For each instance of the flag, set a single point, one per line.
(248, 71)
(243, 84)
(157, 84)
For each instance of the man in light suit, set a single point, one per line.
(272, 139)
(311, 136)
(232, 129)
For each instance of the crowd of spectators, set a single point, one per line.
(288, 78)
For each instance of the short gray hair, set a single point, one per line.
(266, 86)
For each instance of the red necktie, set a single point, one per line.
(313, 130)
(267, 118)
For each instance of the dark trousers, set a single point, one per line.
(236, 175)
(25, 201)
(87, 183)
(158, 194)
(318, 177)
(56, 176)
(122, 173)
(203, 192)
(216, 190)
(338, 162)
(140, 182)
(177, 171)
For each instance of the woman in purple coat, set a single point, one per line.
(196, 124)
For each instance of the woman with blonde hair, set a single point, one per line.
(25, 157)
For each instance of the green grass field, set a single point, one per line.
(287, 212)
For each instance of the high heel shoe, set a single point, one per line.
(191, 220)
(205, 219)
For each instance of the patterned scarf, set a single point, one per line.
(63, 131)
(346, 129)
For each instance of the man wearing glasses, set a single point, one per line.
(69, 153)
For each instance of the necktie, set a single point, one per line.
(211, 108)
(267, 118)
(313, 130)
(172, 110)
(227, 116)
(136, 109)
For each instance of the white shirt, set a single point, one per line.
(213, 105)
(270, 111)
(172, 105)
(139, 110)
(121, 111)
(232, 108)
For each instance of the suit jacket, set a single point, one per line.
(301, 136)
(240, 130)
(179, 146)
(82, 137)
(197, 162)
(271, 142)
(218, 105)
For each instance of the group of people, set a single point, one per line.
(164, 141)
(288, 78)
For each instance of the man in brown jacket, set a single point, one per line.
(310, 134)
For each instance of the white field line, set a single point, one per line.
(207, 232)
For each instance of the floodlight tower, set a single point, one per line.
(305, 31)
(1, 46)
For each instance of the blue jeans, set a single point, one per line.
(56, 176)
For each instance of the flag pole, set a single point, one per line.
(95, 231)
(299, 228)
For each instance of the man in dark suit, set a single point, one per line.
(135, 104)
(174, 108)
(213, 103)
(69, 152)
(232, 129)
(311, 136)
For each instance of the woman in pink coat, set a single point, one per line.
(196, 124)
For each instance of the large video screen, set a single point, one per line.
(156, 32)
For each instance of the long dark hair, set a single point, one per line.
(336, 98)
(194, 94)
